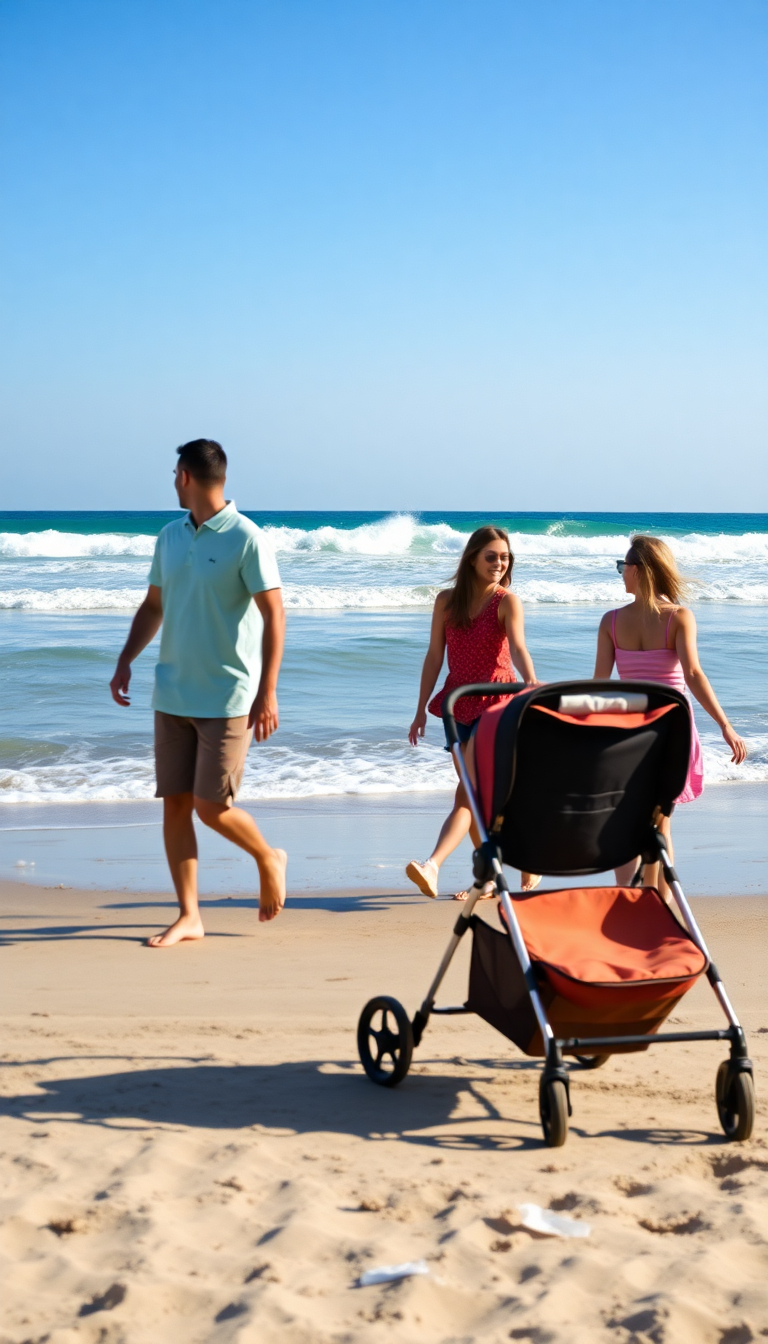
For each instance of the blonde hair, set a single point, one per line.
(657, 572)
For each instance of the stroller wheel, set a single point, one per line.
(385, 1041)
(735, 1103)
(592, 1061)
(553, 1109)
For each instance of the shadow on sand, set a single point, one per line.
(316, 1097)
(341, 903)
(140, 931)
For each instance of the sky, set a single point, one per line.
(393, 254)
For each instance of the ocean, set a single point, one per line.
(358, 590)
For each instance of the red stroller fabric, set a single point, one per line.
(609, 947)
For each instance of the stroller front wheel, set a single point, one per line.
(592, 1061)
(553, 1109)
(385, 1041)
(735, 1103)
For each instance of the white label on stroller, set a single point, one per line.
(581, 705)
(550, 1224)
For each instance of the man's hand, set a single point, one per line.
(264, 718)
(144, 627)
(120, 683)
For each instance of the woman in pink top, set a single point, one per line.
(479, 624)
(654, 639)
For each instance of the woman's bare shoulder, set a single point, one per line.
(684, 618)
(440, 608)
(509, 600)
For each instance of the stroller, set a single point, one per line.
(572, 780)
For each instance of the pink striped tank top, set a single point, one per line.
(662, 665)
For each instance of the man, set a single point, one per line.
(215, 587)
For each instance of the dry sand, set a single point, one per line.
(190, 1151)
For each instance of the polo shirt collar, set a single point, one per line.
(218, 520)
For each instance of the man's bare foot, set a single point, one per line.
(185, 929)
(272, 891)
(529, 881)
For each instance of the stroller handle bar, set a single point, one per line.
(475, 688)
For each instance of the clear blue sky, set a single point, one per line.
(404, 254)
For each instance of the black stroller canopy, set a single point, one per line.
(571, 796)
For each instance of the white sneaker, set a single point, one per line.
(424, 875)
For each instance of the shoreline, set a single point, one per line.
(340, 842)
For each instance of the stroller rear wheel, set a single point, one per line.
(592, 1061)
(553, 1109)
(735, 1096)
(385, 1041)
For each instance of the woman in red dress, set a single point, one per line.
(479, 623)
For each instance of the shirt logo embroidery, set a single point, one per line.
(211, 561)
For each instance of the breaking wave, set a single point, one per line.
(281, 772)
(330, 597)
(398, 535)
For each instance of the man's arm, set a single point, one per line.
(144, 627)
(263, 717)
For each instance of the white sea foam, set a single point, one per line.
(402, 534)
(398, 535)
(719, 769)
(62, 544)
(330, 597)
(279, 772)
(309, 598)
(272, 772)
(71, 599)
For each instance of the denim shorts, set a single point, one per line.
(464, 730)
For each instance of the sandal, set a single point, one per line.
(487, 894)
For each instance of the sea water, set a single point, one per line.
(358, 589)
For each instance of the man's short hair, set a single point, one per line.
(204, 459)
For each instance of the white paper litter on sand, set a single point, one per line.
(551, 1224)
(390, 1273)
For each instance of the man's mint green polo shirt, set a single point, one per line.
(210, 645)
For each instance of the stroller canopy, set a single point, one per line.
(567, 795)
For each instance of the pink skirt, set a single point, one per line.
(694, 783)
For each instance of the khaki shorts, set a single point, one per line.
(201, 756)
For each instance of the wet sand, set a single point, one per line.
(191, 1151)
(341, 842)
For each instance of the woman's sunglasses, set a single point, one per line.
(621, 565)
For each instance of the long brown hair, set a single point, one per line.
(460, 596)
(657, 572)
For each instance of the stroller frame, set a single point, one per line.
(734, 1090)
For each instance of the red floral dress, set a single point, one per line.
(477, 652)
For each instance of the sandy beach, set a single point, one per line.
(192, 1153)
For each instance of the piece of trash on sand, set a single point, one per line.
(551, 1224)
(390, 1273)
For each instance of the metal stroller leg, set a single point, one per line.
(491, 869)
(554, 1084)
(694, 930)
(421, 1017)
(734, 1087)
